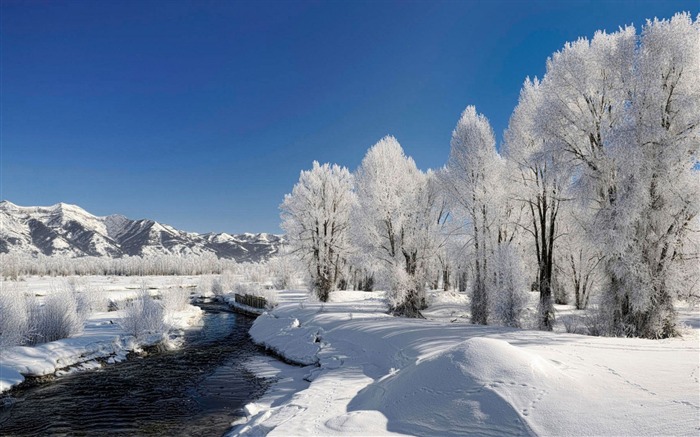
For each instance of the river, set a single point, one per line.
(198, 389)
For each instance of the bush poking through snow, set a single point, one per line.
(573, 324)
(175, 299)
(14, 321)
(143, 316)
(283, 272)
(511, 297)
(406, 296)
(91, 302)
(57, 318)
(204, 286)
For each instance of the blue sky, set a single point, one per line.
(201, 114)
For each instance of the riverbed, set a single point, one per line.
(198, 389)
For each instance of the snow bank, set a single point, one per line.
(286, 337)
(373, 374)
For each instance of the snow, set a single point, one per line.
(102, 338)
(373, 374)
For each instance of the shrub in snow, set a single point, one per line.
(242, 287)
(227, 279)
(175, 299)
(14, 321)
(58, 317)
(217, 287)
(204, 286)
(510, 297)
(91, 301)
(257, 272)
(573, 324)
(406, 296)
(143, 315)
(597, 321)
(283, 272)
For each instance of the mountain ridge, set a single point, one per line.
(68, 230)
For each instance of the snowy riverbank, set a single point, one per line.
(103, 339)
(372, 374)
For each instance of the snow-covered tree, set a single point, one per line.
(584, 94)
(472, 182)
(658, 189)
(394, 221)
(316, 218)
(540, 184)
(624, 110)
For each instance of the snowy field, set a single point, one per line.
(369, 373)
(103, 340)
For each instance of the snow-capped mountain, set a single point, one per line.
(69, 230)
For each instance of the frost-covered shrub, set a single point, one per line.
(406, 295)
(204, 286)
(257, 272)
(14, 318)
(241, 287)
(559, 291)
(399, 282)
(597, 322)
(227, 279)
(92, 301)
(58, 317)
(573, 324)
(510, 297)
(216, 287)
(283, 272)
(175, 299)
(143, 315)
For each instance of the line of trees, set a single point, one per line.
(13, 265)
(595, 188)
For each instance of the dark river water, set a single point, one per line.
(196, 390)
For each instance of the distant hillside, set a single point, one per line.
(69, 230)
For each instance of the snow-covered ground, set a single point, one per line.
(103, 339)
(369, 373)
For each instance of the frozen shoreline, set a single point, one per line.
(369, 373)
(103, 339)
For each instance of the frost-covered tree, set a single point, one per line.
(623, 109)
(584, 94)
(394, 221)
(316, 218)
(471, 180)
(658, 189)
(540, 186)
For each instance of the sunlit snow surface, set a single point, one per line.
(368, 373)
(380, 375)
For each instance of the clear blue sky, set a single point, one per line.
(201, 114)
